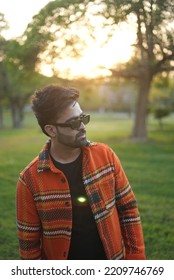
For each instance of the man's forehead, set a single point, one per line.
(74, 103)
(75, 106)
(71, 112)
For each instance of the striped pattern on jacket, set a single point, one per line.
(44, 207)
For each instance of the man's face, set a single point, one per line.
(67, 136)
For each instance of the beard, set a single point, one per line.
(77, 141)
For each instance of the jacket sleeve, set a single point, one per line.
(28, 223)
(129, 216)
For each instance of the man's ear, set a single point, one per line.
(50, 129)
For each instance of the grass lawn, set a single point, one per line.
(148, 165)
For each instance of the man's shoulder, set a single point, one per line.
(101, 150)
(95, 147)
(39, 163)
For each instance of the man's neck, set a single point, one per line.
(64, 154)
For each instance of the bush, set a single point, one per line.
(161, 112)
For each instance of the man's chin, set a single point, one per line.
(81, 143)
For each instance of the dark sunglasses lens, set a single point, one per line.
(76, 124)
(86, 119)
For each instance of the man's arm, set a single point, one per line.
(28, 223)
(130, 221)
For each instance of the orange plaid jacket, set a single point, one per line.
(44, 209)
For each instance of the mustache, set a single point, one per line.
(81, 133)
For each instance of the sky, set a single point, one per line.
(18, 13)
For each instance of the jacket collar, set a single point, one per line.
(44, 160)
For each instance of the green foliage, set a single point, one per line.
(161, 99)
(154, 46)
(149, 167)
(161, 112)
(3, 23)
(50, 32)
(3, 44)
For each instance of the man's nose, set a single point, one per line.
(82, 126)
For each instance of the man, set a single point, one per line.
(74, 200)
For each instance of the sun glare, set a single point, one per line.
(96, 60)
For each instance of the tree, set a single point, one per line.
(54, 33)
(154, 46)
(160, 113)
(161, 100)
(18, 78)
(3, 77)
(22, 80)
(11, 78)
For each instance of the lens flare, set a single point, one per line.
(81, 199)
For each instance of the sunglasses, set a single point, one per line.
(76, 123)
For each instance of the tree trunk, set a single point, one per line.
(17, 116)
(1, 117)
(140, 125)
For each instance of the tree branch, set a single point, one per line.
(159, 67)
(166, 69)
(127, 74)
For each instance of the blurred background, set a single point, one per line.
(120, 55)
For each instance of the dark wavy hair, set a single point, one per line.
(49, 102)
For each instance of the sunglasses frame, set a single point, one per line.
(85, 119)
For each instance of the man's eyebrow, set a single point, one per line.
(75, 117)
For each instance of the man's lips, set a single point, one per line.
(81, 135)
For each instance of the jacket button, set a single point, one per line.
(64, 254)
(67, 203)
(63, 180)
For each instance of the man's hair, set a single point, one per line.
(49, 102)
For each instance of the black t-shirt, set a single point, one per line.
(85, 241)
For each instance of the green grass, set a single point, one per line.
(148, 165)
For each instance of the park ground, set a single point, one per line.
(149, 166)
